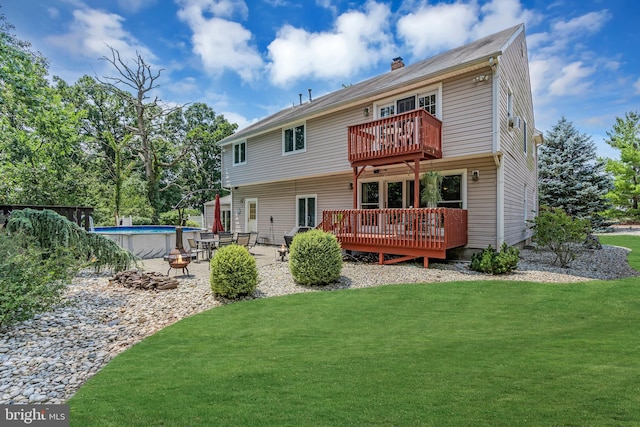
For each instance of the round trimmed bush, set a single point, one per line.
(315, 258)
(233, 272)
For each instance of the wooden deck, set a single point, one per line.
(403, 137)
(409, 233)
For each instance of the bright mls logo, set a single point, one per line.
(35, 415)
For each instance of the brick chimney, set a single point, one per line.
(397, 63)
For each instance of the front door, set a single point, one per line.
(251, 209)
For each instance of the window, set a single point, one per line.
(387, 110)
(294, 139)
(370, 195)
(450, 190)
(526, 202)
(225, 218)
(406, 104)
(509, 102)
(428, 102)
(240, 153)
(524, 135)
(428, 98)
(306, 211)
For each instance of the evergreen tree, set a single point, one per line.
(625, 136)
(571, 176)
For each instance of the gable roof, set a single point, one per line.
(474, 52)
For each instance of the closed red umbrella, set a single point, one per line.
(217, 223)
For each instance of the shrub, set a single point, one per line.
(52, 232)
(141, 220)
(173, 217)
(559, 233)
(233, 272)
(315, 258)
(31, 281)
(492, 262)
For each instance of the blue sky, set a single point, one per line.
(249, 59)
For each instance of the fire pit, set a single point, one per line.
(178, 258)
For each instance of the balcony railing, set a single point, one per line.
(395, 139)
(417, 232)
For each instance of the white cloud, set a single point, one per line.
(501, 14)
(435, 28)
(636, 86)
(358, 40)
(93, 30)
(53, 12)
(328, 4)
(220, 43)
(558, 58)
(571, 80)
(242, 121)
(563, 34)
(134, 5)
(540, 71)
(429, 29)
(591, 22)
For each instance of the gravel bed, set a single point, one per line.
(46, 359)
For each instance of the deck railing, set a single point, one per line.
(415, 133)
(417, 228)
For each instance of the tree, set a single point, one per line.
(571, 177)
(105, 137)
(198, 174)
(149, 115)
(625, 136)
(40, 159)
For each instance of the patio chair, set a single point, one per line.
(224, 238)
(288, 240)
(243, 239)
(253, 240)
(194, 249)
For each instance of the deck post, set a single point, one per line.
(355, 188)
(416, 184)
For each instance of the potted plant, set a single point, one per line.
(431, 195)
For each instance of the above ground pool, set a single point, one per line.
(148, 241)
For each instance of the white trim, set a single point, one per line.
(437, 88)
(496, 149)
(233, 153)
(247, 202)
(293, 126)
(315, 208)
(402, 177)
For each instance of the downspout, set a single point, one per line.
(496, 150)
(230, 189)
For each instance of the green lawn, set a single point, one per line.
(459, 353)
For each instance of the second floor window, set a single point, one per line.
(294, 139)
(240, 153)
(428, 102)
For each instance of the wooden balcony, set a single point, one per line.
(411, 136)
(410, 233)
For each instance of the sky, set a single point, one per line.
(250, 59)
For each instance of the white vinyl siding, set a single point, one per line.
(520, 163)
(279, 201)
(466, 117)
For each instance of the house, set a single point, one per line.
(225, 213)
(351, 161)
